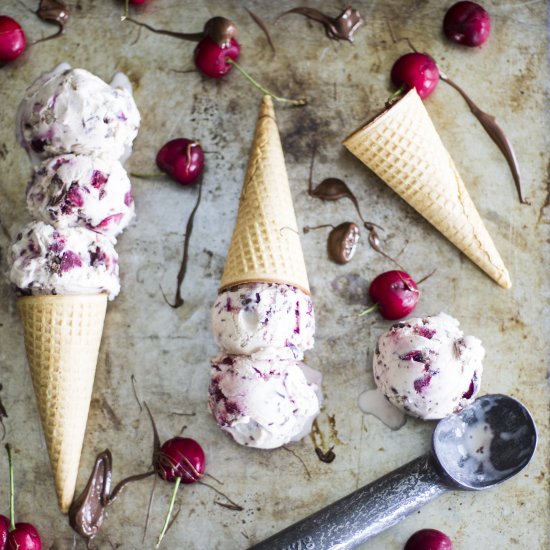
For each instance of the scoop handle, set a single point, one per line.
(364, 513)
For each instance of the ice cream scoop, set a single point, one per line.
(427, 367)
(257, 316)
(263, 402)
(81, 191)
(45, 260)
(485, 444)
(71, 110)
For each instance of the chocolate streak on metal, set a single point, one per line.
(261, 23)
(53, 11)
(193, 36)
(496, 133)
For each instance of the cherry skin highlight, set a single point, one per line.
(180, 457)
(4, 531)
(211, 58)
(395, 293)
(182, 159)
(416, 70)
(12, 39)
(24, 537)
(467, 23)
(429, 539)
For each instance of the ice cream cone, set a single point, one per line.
(62, 338)
(404, 149)
(265, 246)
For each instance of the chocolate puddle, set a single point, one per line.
(496, 133)
(333, 189)
(179, 301)
(53, 11)
(219, 29)
(342, 27)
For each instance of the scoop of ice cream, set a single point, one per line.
(79, 190)
(45, 260)
(427, 367)
(262, 402)
(72, 111)
(257, 316)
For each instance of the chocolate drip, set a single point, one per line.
(260, 22)
(342, 27)
(219, 29)
(179, 301)
(3, 414)
(496, 133)
(53, 11)
(342, 242)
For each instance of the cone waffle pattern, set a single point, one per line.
(265, 246)
(404, 149)
(62, 338)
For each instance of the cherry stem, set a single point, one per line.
(370, 309)
(261, 88)
(396, 95)
(167, 520)
(152, 175)
(126, 9)
(12, 492)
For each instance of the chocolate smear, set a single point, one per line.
(179, 301)
(342, 242)
(496, 133)
(219, 29)
(342, 27)
(53, 11)
(327, 457)
(261, 23)
(3, 414)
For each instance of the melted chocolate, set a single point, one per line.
(3, 414)
(179, 301)
(342, 242)
(219, 29)
(260, 22)
(342, 27)
(496, 133)
(53, 11)
(327, 457)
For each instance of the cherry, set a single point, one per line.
(429, 539)
(138, 2)
(180, 457)
(394, 294)
(211, 58)
(4, 530)
(467, 23)
(24, 537)
(12, 39)
(182, 159)
(416, 70)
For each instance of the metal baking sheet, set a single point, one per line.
(167, 350)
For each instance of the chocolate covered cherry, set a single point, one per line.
(416, 70)
(12, 39)
(429, 539)
(394, 293)
(182, 159)
(180, 457)
(467, 23)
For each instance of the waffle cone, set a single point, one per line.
(62, 337)
(404, 149)
(265, 246)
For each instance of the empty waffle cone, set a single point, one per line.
(62, 338)
(265, 246)
(404, 149)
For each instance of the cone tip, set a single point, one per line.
(266, 107)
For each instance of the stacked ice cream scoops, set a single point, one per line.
(261, 391)
(76, 130)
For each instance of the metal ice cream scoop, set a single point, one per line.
(485, 444)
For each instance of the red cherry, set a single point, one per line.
(138, 2)
(429, 539)
(416, 70)
(4, 530)
(211, 58)
(180, 457)
(395, 293)
(12, 39)
(467, 23)
(182, 159)
(24, 537)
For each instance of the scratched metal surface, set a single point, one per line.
(167, 350)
